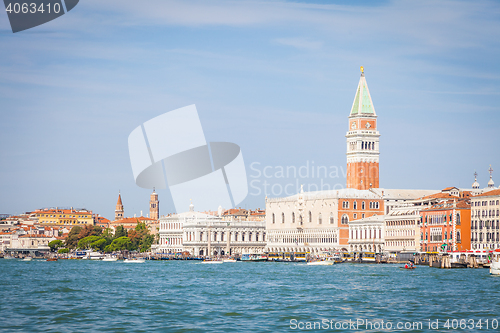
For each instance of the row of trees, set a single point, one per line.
(97, 239)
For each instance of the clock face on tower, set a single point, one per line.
(353, 125)
(368, 125)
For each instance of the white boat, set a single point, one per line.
(93, 255)
(135, 260)
(109, 258)
(211, 262)
(8, 257)
(229, 260)
(495, 263)
(326, 262)
(27, 259)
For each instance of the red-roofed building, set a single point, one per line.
(445, 226)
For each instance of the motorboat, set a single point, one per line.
(27, 259)
(321, 262)
(135, 260)
(229, 260)
(495, 263)
(209, 261)
(109, 258)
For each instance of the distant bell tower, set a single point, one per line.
(119, 208)
(154, 206)
(362, 141)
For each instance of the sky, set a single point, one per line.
(278, 78)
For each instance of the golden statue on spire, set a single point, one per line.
(362, 69)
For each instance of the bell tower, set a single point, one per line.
(154, 206)
(119, 208)
(362, 141)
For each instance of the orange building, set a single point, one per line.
(445, 226)
(350, 209)
(362, 141)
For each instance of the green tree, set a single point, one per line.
(84, 243)
(122, 243)
(65, 250)
(98, 245)
(72, 239)
(55, 244)
(108, 248)
(120, 232)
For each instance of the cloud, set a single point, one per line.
(300, 43)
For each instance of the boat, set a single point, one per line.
(109, 258)
(27, 259)
(52, 259)
(229, 260)
(495, 263)
(8, 257)
(253, 257)
(93, 255)
(322, 262)
(135, 260)
(210, 261)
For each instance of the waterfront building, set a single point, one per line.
(402, 229)
(64, 217)
(203, 234)
(445, 226)
(485, 226)
(101, 221)
(317, 221)
(130, 223)
(367, 234)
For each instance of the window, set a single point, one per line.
(331, 218)
(355, 205)
(282, 217)
(235, 236)
(458, 219)
(320, 220)
(274, 219)
(363, 205)
(293, 217)
(355, 216)
(310, 217)
(345, 219)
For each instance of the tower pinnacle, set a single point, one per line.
(362, 140)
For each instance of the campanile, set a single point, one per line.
(362, 141)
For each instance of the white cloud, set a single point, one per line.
(300, 43)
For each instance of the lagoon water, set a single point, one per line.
(186, 296)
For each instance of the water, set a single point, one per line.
(178, 296)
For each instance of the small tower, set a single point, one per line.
(154, 206)
(475, 185)
(119, 208)
(491, 183)
(362, 141)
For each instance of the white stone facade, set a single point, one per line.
(402, 229)
(485, 221)
(367, 235)
(202, 234)
(313, 221)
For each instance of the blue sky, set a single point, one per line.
(276, 77)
